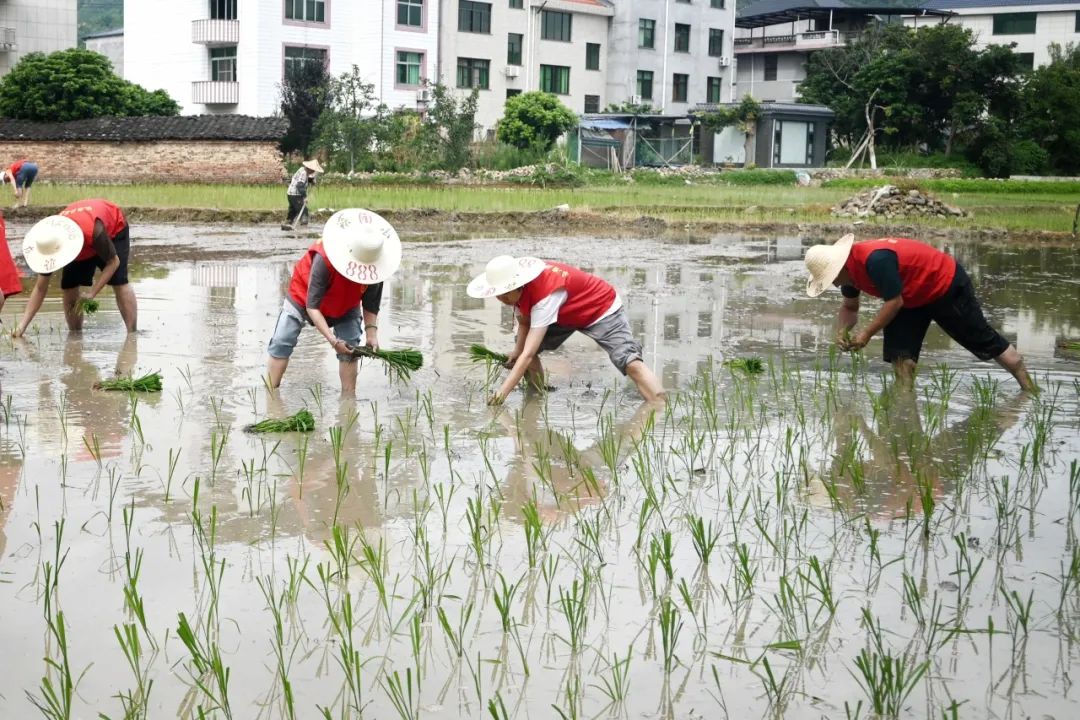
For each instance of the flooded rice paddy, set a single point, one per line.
(807, 543)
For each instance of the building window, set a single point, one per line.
(223, 64)
(712, 90)
(592, 56)
(408, 67)
(646, 33)
(644, 84)
(555, 25)
(516, 5)
(679, 85)
(410, 13)
(223, 9)
(682, 38)
(474, 17)
(296, 56)
(312, 11)
(1027, 61)
(473, 73)
(1015, 23)
(592, 103)
(716, 42)
(718, 4)
(555, 79)
(514, 42)
(1076, 28)
(511, 92)
(771, 62)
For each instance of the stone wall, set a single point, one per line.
(172, 161)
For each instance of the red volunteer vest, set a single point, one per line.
(587, 296)
(15, 168)
(85, 213)
(926, 272)
(343, 294)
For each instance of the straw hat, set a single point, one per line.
(313, 166)
(52, 243)
(503, 274)
(361, 245)
(825, 262)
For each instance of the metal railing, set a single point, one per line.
(814, 39)
(214, 92)
(215, 32)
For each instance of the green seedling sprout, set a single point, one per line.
(151, 382)
(300, 422)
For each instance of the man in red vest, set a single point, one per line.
(552, 301)
(918, 284)
(86, 236)
(338, 275)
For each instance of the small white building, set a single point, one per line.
(28, 26)
(229, 56)
(1030, 25)
(671, 54)
(110, 44)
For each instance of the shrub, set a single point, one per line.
(534, 120)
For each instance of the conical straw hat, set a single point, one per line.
(825, 262)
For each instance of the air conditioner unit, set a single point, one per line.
(725, 61)
(635, 99)
(512, 71)
(423, 95)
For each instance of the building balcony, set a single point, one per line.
(215, 92)
(215, 33)
(7, 39)
(816, 40)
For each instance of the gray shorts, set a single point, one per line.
(611, 333)
(289, 324)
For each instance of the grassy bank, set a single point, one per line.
(994, 204)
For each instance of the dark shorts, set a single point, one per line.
(81, 272)
(296, 204)
(957, 313)
(611, 333)
(25, 177)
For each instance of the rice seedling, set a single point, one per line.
(86, 306)
(302, 421)
(750, 366)
(206, 663)
(400, 364)
(670, 628)
(151, 382)
(479, 353)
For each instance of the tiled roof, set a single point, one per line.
(186, 127)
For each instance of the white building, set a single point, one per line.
(1032, 25)
(110, 44)
(229, 56)
(671, 54)
(28, 26)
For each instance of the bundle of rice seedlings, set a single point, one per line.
(401, 363)
(479, 353)
(151, 382)
(86, 306)
(1069, 344)
(300, 422)
(750, 366)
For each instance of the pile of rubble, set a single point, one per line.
(890, 201)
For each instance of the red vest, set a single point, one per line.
(85, 213)
(15, 168)
(341, 296)
(587, 296)
(926, 272)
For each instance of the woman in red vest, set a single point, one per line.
(918, 284)
(10, 283)
(340, 274)
(552, 301)
(86, 236)
(21, 175)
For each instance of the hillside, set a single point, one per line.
(99, 15)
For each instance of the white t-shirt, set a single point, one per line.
(546, 312)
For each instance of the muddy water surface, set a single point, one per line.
(948, 515)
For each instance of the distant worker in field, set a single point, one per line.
(10, 283)
(552, 301)
(297, 193)
(21, 175)
(88, 235)
(339, 276)
(918, 284)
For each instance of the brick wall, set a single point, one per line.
(201, 161)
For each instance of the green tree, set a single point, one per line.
(348, 126)
(305, 94)
(448, 132)
(1051, 106)
(534, 120)
(75, 85)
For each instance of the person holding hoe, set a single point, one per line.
(552, 301)
(87, 235)
(21, 175)
(918, 284)
(297, 192)
(341, 274)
